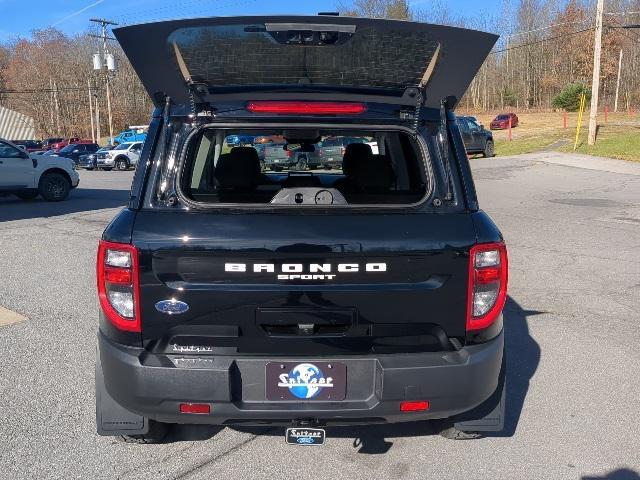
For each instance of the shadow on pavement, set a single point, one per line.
(80, 200)
(620, 474)
(523, 354)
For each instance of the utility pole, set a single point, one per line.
(105, 61)
(93, 132)
(615, 105)
(595, 83)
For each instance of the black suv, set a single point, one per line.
(476, 138)
(369, 293)
(74, 151)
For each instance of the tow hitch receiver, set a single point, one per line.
(303, 434)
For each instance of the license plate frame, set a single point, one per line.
(305, 436)
(306, 381)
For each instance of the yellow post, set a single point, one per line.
(583, 101)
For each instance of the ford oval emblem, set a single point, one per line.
(171, 307)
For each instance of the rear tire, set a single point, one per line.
(302, 164)
(54, 187)
(488, 149)
(121, 164)
(28, 195)
(156, 434)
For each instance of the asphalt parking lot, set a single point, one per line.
(573, 228)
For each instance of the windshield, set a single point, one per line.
(502, 117)
(122, 146)
(69, 148)
(363, 167)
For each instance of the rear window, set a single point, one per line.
(304, 167)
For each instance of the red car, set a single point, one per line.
(502, 121)
(63, 143)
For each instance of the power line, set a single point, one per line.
(547, 28)
(42, 90)
(542, 40)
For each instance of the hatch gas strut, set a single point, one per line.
(446, 105)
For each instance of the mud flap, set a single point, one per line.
(488, 417)
(111, 418)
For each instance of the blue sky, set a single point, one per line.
(19, 17)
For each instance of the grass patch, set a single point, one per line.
(622, 144)
(524, 145)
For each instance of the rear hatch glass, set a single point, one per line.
(324, 166)
(360, 58)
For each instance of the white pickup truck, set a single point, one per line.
(122, 157)
(27, 175)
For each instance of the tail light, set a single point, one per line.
(306, 108)
(289, 153)
(488, 275)
(118, 286)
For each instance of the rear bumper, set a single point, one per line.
(152, 386)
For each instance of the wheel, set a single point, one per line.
(27, 195)
(488, 149)
(121, 164)
(54, 187)
(157, 433)
(302, 163)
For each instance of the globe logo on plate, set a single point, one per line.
(305, 381)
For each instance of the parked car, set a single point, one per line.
(502, 121)
(30, 146)
(89, 161)
(330, 151)
(276, 158)
(239, 140)
(373, 294)
(57, 146)
(120, 157)
(75, 150)
(476, 138)
(47, 143)
(130, 135)
(27, 175)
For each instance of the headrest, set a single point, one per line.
(376, 174)
(238, 169)
(355, 153)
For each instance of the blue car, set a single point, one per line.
(239, 140)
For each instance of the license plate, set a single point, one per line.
(305, 436)
(313, 381)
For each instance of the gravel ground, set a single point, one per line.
(572, 224)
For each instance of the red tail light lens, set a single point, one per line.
(307, 108)
(118, 287)
(488, 276)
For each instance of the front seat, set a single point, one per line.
(356, 157)
(238, 171)
(365, 172)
